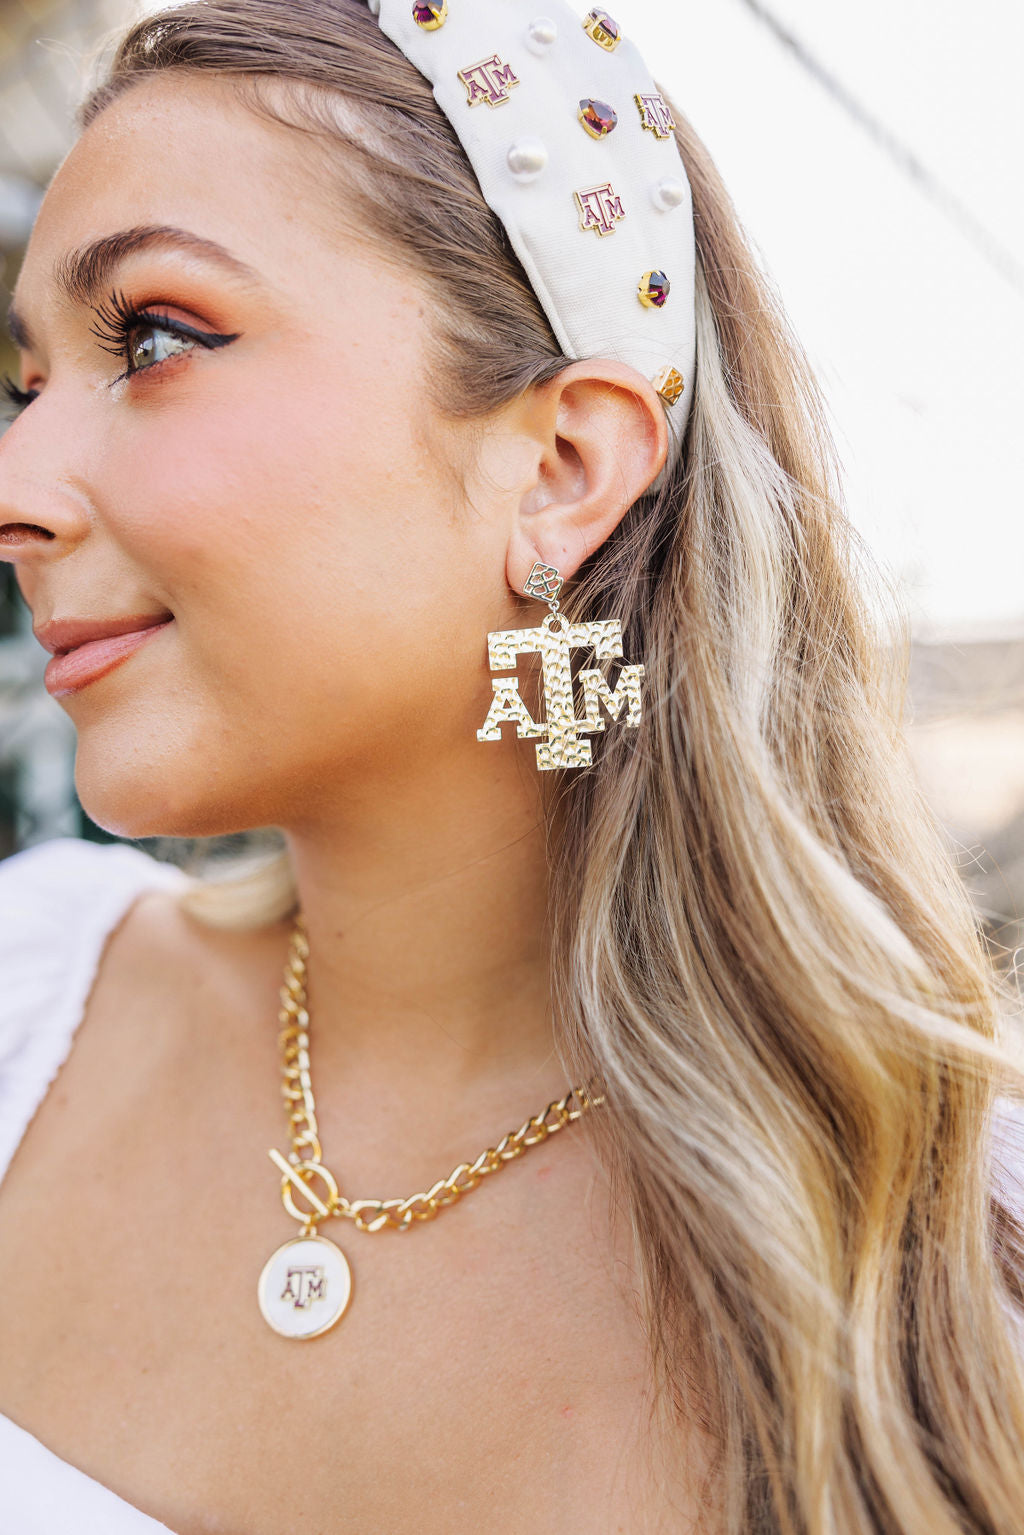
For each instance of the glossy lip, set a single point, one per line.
(86, 649)
(63, 634)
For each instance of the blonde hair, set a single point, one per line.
(762, 947)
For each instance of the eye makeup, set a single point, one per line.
(121, 329)
(119, 320)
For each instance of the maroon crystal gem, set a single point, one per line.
(603, 19)
(597, 117)
(427, 15)
(656, 290)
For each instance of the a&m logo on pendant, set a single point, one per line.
(489, 81)
(305, 1284)
(656, 114)
(305, 1287)
(600, 208)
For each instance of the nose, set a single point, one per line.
(44, 513)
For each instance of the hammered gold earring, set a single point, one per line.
(560, 737)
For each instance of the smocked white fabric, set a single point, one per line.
(58, 904)
(586, 282)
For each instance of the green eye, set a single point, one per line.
(152, 343)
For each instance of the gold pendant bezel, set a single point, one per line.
(264, 1298)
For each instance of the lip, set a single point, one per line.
(84, 650)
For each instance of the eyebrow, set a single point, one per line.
(80, 275)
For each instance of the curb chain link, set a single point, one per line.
(304, 1133)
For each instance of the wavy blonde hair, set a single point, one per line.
(762, 946)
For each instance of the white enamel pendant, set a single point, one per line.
(305, 1287)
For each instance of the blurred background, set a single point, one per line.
(874, 154)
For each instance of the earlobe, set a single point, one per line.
(605, 441)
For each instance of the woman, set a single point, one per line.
(275, 480)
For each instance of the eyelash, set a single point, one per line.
(117, 318)
(16, 398)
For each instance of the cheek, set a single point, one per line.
(311, 572)
(224, 492)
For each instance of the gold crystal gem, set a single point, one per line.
(670, 384)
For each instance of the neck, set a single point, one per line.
(425, 903)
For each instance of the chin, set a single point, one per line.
(133, 799)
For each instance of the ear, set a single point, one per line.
(603, 440)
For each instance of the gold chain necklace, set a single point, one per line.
(306, 1284)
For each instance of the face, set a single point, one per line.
(251, 481)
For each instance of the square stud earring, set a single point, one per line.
(561, 736)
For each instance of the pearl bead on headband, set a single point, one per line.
(572, 144)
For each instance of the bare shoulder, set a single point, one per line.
(156, 933)
(162, 954)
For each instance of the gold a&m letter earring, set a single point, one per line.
(561, 738)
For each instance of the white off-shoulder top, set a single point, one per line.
(59, 903)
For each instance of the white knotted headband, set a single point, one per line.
(572, 144)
